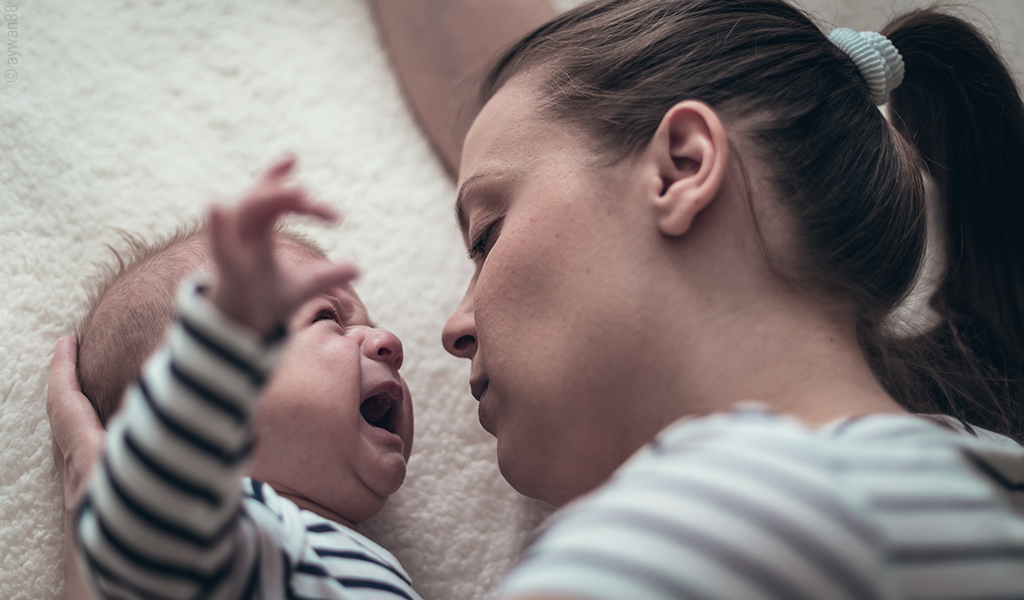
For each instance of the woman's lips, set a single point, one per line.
(477, 387)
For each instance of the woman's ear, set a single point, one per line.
(691, 151)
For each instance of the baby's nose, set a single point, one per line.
(382, 345)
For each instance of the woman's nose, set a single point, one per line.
(382, 345)
(459, 334)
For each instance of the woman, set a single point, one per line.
(678, 205)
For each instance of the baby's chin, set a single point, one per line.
(387, 477)
(378, 484)
(348, 511)
(351, 503)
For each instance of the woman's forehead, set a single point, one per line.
(507, 128)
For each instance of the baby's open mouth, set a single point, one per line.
(380, 410)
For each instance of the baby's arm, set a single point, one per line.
(162, 516)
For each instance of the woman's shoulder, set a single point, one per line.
(751, 499)
(755, 430)
(865, 462)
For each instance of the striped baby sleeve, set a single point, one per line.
(162, 517)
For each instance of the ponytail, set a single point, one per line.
(961, 109)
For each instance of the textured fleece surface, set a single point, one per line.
(134, 114)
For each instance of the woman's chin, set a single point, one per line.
(543, 480)
(530, 482)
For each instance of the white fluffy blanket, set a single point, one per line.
(134, 114)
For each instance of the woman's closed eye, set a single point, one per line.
(483, 242)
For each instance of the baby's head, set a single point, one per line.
(334, 427)
(131, 305)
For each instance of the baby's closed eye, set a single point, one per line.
(328, 314)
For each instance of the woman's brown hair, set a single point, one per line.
(850, 181)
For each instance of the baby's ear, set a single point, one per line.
(691, 152)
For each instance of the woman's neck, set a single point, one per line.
(786, 352)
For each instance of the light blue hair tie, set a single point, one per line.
(879, 62)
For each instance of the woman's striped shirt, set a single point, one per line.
(752, 505)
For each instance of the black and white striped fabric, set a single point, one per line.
(751, 505)
(168, 513)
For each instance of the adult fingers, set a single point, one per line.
(77, 432)
(58, 455)
(65, 403)
(63, 364)
(70, 412)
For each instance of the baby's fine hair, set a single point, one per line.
(132, 303)
(849, 181)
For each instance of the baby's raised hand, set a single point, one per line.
(250, 286)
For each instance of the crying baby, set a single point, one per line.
(313, 419)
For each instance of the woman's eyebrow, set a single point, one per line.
(493, 181)
(460, 199)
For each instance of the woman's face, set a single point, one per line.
(556, 315)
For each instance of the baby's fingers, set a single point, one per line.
(318, 280)
(282, 168)
(258, 213)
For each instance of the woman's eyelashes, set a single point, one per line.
(483, 242)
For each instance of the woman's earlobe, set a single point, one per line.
(693, 152)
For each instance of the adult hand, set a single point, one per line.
(250, 287)
(78, 441)
(78, 435)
